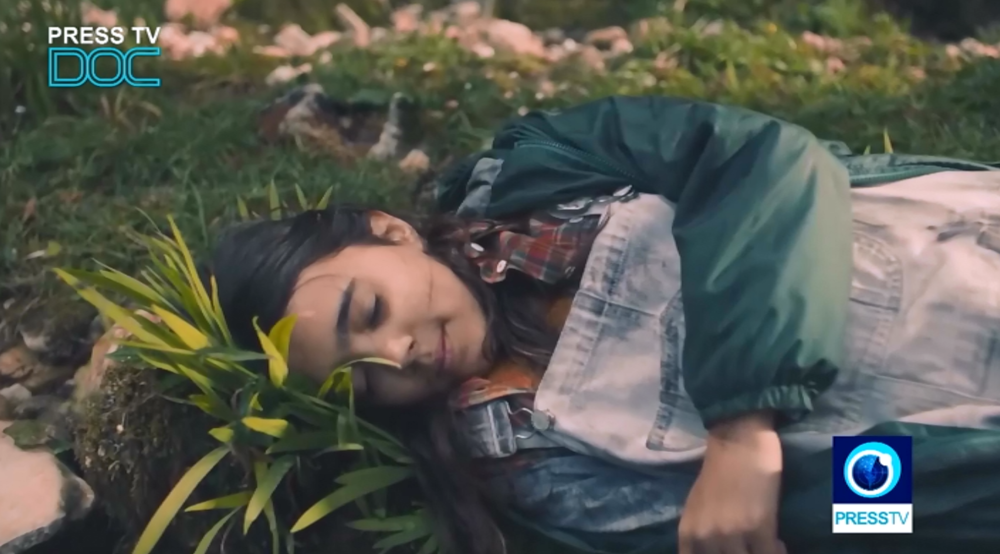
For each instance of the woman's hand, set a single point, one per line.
(733, 505)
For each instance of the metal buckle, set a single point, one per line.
(510, 413)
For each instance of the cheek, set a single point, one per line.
(393, 389)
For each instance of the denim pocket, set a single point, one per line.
(678, 426)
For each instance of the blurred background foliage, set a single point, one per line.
(74, 163)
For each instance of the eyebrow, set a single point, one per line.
(344, 315)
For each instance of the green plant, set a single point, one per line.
(267, 419)
(276, 210)
(23, 62)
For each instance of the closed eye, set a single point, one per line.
(377, 312)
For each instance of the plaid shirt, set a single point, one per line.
(544, 247)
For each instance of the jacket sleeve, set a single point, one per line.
(763, 227)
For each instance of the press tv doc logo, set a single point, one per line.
(872, 485)
(83, 68)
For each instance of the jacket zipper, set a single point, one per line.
(579, 155)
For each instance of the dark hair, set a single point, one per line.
(256, 265)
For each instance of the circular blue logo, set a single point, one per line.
(872, 470)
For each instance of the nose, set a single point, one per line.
(401, 349)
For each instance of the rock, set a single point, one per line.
(22, 366)
(605, 37)
(347, 130)
(285, 73)
(15, 395)
(592, 58)
(465, 13)
(38, 407)
(38, 496)
(416, 162)
(6, 409)
(294, 40)
(360, 31)
(92, 15)
(514, 37)
(553, 36)
(59, 332)
(407, 18)
(204, 13)
(388, 145)
(621, 46)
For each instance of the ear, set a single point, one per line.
(393, 229)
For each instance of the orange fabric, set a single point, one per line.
(510, 374)
(509, 377)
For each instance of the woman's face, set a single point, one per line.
(393, 302)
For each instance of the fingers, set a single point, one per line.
(755, 543)
(765, 543)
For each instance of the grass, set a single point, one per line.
(79, 168)
(75, 167)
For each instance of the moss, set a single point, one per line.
(133, 445)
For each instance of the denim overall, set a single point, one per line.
(923, 346)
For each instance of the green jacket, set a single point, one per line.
(763, 227)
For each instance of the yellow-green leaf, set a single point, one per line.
(255, 402)
(281, 334)
(277, 367)
(211, 406)
(224, 435)
(188, 333)
(349, 493)
(178, 496)
(266, 485)
(274, 204)
(217, 308)
(273, 427)
(52, 249)
(237, 500)
(314, 440)
(119, 315)
(303, 203)
(885, 141)
(332, 380)
(241, 208)
(324, 201)
(868, 150)
(206, 541)
(191, 272)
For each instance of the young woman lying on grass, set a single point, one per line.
(551, 370)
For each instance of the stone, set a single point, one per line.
(361, 32)
(92, 15)
(38, 496)
(407, 18)
(15, 394)
(294, 40)
(605, 37)
(285, 73)
(415, 163)
(43, 406)
(6, 409)
(514, 37)
(19, 365)
(59, 332)
(204, 13)
(553, 36)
